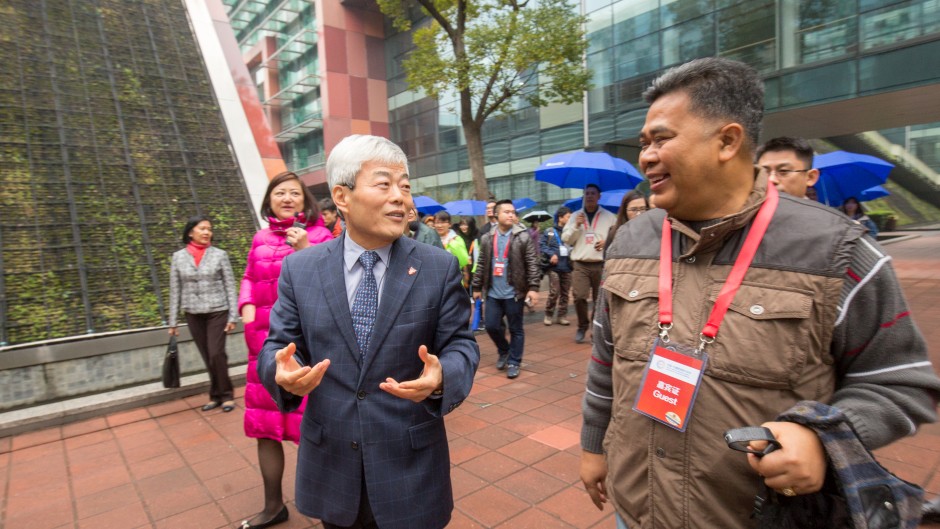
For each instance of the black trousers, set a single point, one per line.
(208, 332)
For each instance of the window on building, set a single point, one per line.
(746, 32)
(689, 40)
(827, 30)
(900, 22)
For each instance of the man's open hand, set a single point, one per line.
(432, 378)
(292, 377)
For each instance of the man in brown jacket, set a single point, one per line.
(817, 321)
(507, 276)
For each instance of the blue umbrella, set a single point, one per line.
(872, 193)
(610, 200)
(578, 169)
(845, 174)
(523, 204)
(466, 207)
(427, 205)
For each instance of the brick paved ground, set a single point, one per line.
(514, 446)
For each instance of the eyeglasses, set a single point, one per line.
(637, 210)
(783, 173)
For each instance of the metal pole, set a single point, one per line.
(585, 115)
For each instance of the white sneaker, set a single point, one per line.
(547, 320)
(562, 321)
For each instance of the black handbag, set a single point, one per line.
(171, 365)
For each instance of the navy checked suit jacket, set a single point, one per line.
(351, 429)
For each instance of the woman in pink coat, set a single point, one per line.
(294, 224)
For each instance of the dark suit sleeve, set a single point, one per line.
(284, 328)
(457, 348)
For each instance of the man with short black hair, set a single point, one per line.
(490, 217)
(507, 276)
(420, 231)
(788, 163)
(331, 217)
(585, 233)
(815, 335)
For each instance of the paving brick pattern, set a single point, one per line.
(514, 446)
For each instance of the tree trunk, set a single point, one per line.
(473, 134)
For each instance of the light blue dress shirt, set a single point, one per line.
(353, 269)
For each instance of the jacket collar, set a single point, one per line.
(713, 236)
(280, 226)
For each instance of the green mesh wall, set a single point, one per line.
(110, 138)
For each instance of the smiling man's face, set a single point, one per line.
(376, 208)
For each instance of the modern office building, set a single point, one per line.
(318, 68)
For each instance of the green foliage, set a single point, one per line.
(497, 50)
(496, 55)
(97, 175)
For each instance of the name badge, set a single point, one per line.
(499, 268)
(563, 251)
(589, 238)
(670, 384)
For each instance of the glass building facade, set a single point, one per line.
(280, 37)
(110, 139)
(813, 54)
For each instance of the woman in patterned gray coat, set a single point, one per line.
(203, 286)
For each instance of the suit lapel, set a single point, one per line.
(403, 269)
(335, 291)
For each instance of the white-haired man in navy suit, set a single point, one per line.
(373, 327)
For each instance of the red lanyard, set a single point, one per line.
(735, 278)
(597, 215)
(496, 251)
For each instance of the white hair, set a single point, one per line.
(346, 158)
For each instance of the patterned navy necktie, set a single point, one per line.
(366, 302)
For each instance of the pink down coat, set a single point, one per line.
(259, 288)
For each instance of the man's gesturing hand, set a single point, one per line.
(294, 378)
(432, 377)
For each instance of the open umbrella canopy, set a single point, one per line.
(523, 204)
(539, 215)
(872, 193)
(427, 205)
(578, 169)
(610, 200)
(845, 174)
(466, 207)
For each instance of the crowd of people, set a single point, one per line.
(360, 339)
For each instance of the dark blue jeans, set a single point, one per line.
(512, 309)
